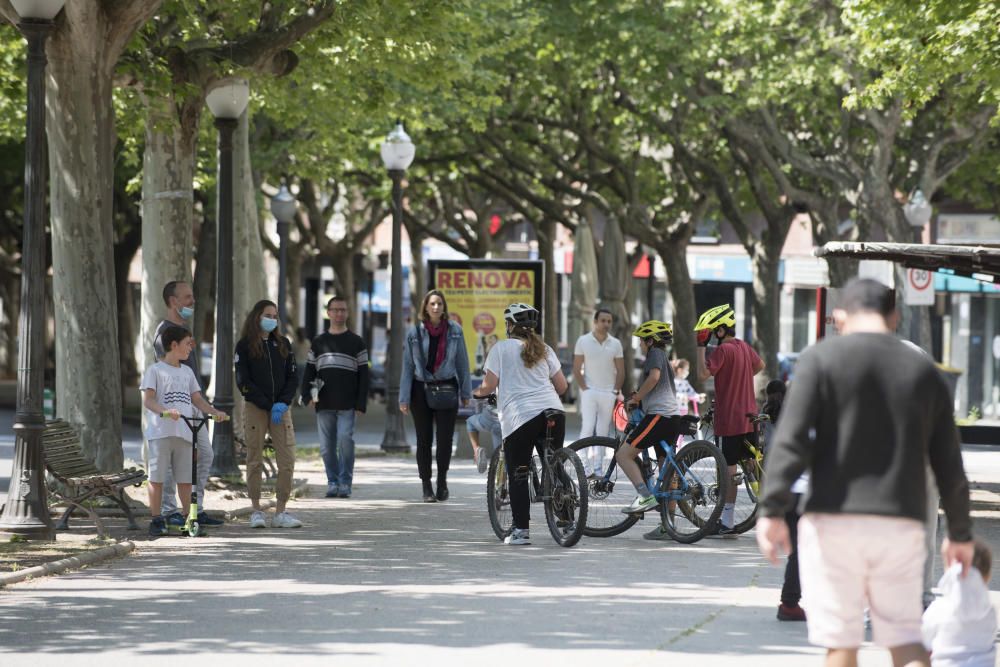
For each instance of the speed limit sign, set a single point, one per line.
(919, 288)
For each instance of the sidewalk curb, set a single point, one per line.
(240, 512)
(71, 563)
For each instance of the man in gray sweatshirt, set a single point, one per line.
(863, 417)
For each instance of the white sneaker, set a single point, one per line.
(285, 520)
(641, 504)
(257, 520)
(518, 536)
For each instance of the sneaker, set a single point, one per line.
(332, 490)
(257, 520)
(641, 504)
(723, 531)
(285, 520)
(656, 534)
(518, 536)
(481, 459)
(175, 521)
(205, 520)
(791, 612)
(157, 526)
(345, 492)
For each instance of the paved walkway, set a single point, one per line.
(382, 577)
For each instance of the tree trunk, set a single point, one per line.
(765, 261)
(203, 324)
(418, 267)
(125, 252)
(546, 234)
(674, 258)
(343, 269)
(81, 136)
(167, 215)
(915, 321)
(11, 293)
(294, 276)
(249, 275)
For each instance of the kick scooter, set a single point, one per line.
(191, 525)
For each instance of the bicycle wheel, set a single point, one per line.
(605, 499)
(498, 495)
(566, 506)
(701, 483)
(749, 478)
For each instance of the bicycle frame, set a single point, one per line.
(653, 481)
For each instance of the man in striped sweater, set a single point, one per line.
(336, 379)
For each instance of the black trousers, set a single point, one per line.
(791, 590)
(517, 448)
(426, 422)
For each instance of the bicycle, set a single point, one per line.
(555, 478)
(749, 472)
(690, 486)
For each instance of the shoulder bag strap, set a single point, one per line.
(420, 349)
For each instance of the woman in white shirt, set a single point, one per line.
(528, 379)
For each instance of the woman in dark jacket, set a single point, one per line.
(434, 356)
(267, 377)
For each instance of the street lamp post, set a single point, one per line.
(227, 100)
(397, 155)
(369, 262)
(283, 209)
(918, 213)
(26, 511)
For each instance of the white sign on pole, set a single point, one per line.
(919, 288)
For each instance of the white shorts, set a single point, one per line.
(848, 561)
(170, 454)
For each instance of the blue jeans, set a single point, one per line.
(336, 445)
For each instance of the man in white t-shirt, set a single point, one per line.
(599, 369)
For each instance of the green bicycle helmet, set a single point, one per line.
(655, 329)
(713, 318)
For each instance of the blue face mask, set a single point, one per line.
(185, 312)
(268, 325)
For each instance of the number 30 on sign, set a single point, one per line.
(919, 288)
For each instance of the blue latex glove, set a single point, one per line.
(277, 411)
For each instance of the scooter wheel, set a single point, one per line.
(194, 529)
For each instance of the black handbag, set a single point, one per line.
(440, 394)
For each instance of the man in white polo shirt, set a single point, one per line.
(599, 369)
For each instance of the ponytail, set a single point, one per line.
(534, 347)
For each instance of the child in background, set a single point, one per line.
(791, 589)
(685, 392)
(485, 419)
(960, 626)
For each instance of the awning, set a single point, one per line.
(973, 261)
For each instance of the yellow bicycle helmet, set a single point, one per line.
(655, 329)
(713, 318)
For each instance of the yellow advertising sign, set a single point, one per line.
(478, 291)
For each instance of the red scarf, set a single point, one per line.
(437, 332)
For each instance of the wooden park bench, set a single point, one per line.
(81, 480)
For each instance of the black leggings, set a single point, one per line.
(425, 421)
(517, 448)
(791, 589)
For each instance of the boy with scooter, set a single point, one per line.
(170, 391)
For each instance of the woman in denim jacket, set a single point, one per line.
(440, 357)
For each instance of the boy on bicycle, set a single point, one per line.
(662, 422)
(169, 390)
